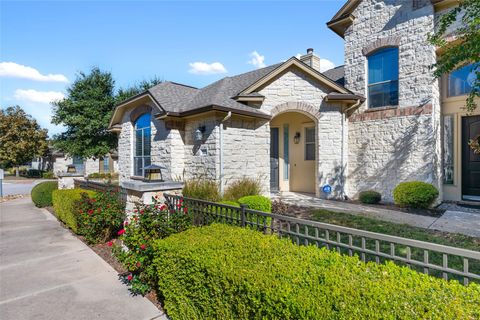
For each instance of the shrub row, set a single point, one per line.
(42, 193)
(224, 272)
(64, 204)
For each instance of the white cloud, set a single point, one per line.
(15, 70)
(206, 68)
(38, 96)
(326, 64)
(257, 60)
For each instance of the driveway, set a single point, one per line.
(47, 273)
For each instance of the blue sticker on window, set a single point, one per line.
(326, 188)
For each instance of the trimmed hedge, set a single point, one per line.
(64, 205)
(224, 272)
(42, 193)
(415, 194)
(229, 203)
(370, 197)
(259, 203)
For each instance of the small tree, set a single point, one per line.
(460, 48)
(125, 93)
(21, 138)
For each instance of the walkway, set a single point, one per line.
(467, 223)
(47, 273)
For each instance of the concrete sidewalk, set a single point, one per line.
(47, 273)
(466, 223)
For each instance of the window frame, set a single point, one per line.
(305, 143)
(394, 82)
(447, 82)
(141, 157)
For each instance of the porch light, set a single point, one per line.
(153, 173)
(198, 134)
(71, 168)
(296, 138)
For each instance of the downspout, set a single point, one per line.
(228, 116)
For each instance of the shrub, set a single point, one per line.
(148, 222)
(100, 216)
(98, 175)
(48, 175)
(259, 203)
(415, 194)
(201, 189)
(370, 197)
(42, 193)
(64, 206)
(230, 203)
(224, 272)
(34, 173)
(242, 188)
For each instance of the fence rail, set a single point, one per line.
(430, 258)
(100, 186)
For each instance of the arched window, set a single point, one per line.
(142, 144)
(383, 78)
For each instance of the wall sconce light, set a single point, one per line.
(153, 173)
(71, 168)
(198, 134)
(296, 138)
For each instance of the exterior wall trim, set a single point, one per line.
(296, 106)
(391, 113)
(392, 41)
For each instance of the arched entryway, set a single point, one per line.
(293, 148)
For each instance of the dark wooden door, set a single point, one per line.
(470, 160)
(274, 163)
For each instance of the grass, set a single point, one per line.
(405, 231)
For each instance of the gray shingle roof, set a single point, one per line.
(336, 74)
(177, 98)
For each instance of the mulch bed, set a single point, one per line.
(434, 212)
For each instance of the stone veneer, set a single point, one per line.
(389, 146)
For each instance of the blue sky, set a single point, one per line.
(44, 44)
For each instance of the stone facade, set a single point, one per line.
(89, 166)
(386, 147)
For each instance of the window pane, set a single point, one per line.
(285, 151)
(143, 121)
(310, 135)
(138, 143)
(384, 94)
(106, 165)
(138, 166)
(383, 65)
(448, 149)
(460, 82)
(146, 141)
(310, 151)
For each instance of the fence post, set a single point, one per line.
(243, 216)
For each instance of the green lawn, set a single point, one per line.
(405, 231)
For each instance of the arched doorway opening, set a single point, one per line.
(293, 152)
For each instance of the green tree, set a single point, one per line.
(460, 46)
(125, 93)
(85, 113)
(21, 137)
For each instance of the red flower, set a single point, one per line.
(93, 200)
(138, 264)
(90, 211)
(141, 211)
(81, 211)
(135, 210)
(99, 209)
(129, 278)
(185, 209)
(121, 232)
(163, 207)
(136, 219)
(143, 246)
(125, 223)
(179, 205)
(110, 243)
(181, 201)
(156, 197)
(108, 205)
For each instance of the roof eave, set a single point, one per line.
(341, 24)
(218, 108)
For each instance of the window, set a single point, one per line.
(460, 81)
(310, 143)
(383, 78)
(78, 163)
(448, 149)
(142, 144)
(106, 164)
(285, 152)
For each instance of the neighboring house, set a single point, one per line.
(379, 120)
(108, 164)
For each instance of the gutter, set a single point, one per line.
(229, 115)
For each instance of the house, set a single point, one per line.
(107, 164)
(380, 119)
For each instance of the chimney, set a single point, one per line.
(311, 59)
